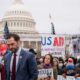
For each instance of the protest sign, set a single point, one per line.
(70, 78)
(45, 74)
(60, 77)
(53, 44)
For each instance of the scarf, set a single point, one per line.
(47, 66)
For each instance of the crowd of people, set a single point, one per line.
(20, 64)
(67, 67)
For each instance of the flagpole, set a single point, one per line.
(52, 25)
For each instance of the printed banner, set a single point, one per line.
(54, 44)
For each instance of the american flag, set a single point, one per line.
(6, 31)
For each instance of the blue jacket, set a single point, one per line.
(26, 68)
(70, 70)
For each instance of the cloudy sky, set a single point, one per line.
(65, 14)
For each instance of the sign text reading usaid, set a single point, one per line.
(53, 44)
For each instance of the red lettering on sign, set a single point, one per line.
(58, 41)
(61, 41)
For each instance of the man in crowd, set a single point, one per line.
(20, 64)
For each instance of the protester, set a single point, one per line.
(48, 61)
(32, 51)
(60, 66)
(39, 61)
(77, 74)
(70, 68)
(47, 64)
(21, 64)
(3, 52)
(55, 68)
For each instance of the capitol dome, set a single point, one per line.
(19, 19)
(17, 10)
(21, 22)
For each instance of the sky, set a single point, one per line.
(65, 14)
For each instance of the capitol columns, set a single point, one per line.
(29, 44)
(36, 45)
(22, 43)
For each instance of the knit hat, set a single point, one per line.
(70, 60)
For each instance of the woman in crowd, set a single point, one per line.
(47, 63)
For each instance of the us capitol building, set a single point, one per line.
(22, 23)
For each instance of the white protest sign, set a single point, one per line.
(44, 74)
(60, 77)
(70, 78)
(54, 44)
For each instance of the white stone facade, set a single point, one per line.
(20, 21)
